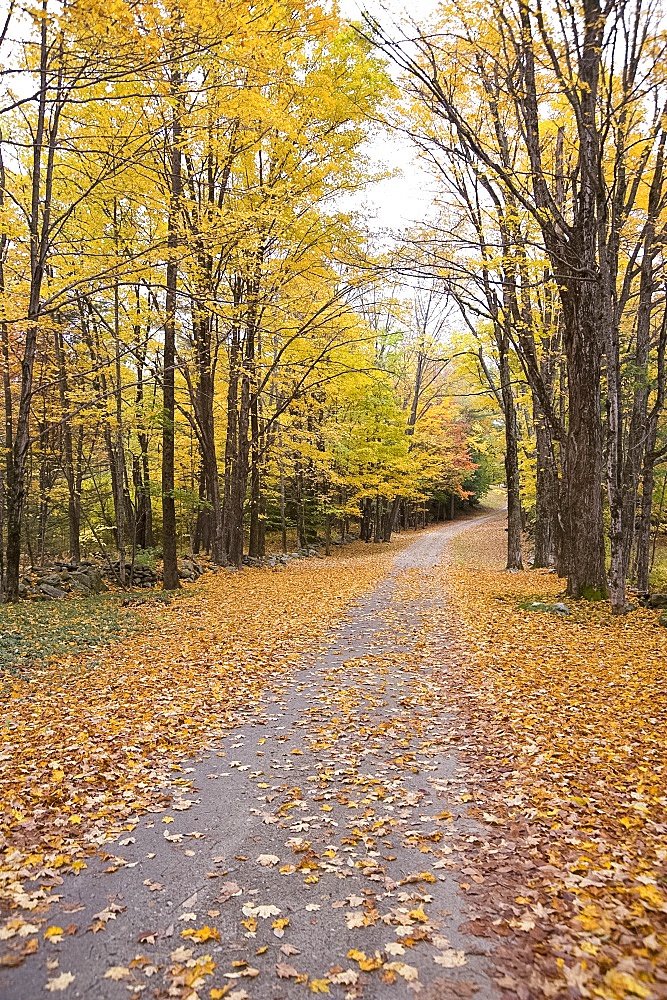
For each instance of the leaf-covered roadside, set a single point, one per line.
(563, 725)
(85, 744)
(34, 633)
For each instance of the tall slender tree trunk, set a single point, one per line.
(169, 552)
(40, 221)
(5, 471)
(119, 451)
(514, 555)
(69, 469)
(643, 539)
(254, 544)
(140, 466)
(546, 495)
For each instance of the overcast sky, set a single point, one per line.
(398, 202)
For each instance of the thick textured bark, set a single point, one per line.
(582, 462)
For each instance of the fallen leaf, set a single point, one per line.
(285, 971)
(117, 972)
(60, 982)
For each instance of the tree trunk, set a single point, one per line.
(170, 579)
(69, 470)
(39, 236)
(390, 519)
(514, 555)
(546, 495)
(254, 544)
(582, 462)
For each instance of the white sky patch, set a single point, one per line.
(400, 201)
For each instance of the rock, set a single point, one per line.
(51, 579)
(662, 620)
(96, 584)
(656, 601)
(55, 592)
(547, 609)
(89, 578)
(80, 587)
(23, 590)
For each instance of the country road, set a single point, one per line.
(310, 850)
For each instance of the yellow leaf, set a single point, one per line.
(426, 877)
(60, 983)
(203, 934)
(652, 896)
(623, 983)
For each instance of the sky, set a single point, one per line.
(399, 201)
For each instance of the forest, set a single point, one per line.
(201, 343)
(197, 342)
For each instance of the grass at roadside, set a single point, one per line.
(33, 633)
(566, 734)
